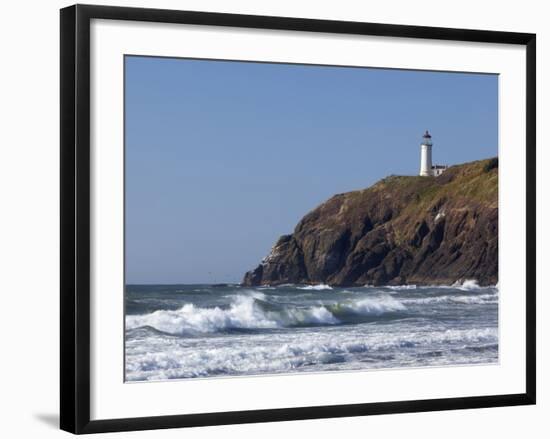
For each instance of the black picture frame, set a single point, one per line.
(75, 217)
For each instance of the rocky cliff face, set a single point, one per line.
(402, 230)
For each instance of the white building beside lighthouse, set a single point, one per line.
(427, 169)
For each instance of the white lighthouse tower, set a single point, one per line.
(427, 169)
(426, 155)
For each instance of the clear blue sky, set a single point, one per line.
(224, 157)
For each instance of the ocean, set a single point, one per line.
(199, 331)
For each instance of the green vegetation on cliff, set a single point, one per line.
(401, 230)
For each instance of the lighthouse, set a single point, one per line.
(426, 155)
(426, 167)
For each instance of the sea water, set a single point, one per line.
(189, 331)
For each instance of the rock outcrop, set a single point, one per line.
(401, 230)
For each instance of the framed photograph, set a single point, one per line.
(274, 218)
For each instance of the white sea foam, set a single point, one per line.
(402, 287)
(470, 285)
(241, 314)
(244, 313)
(316, 287)
(464, 299)
(165, 359)
(372, 306)
(467, 285)
(252, 311)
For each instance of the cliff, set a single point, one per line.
(401, 230)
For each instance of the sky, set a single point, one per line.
(223, 157)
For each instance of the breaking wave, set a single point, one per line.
(190, 331)
(480, 299)
(467, 285)
(316, 287)
(253, 311)
(402, 287)
(369, 306)
(287, 353)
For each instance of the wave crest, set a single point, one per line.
(254, 311)
(467, 285)
(318, 287)
(480, 299)
(370, 306)
(166, 359)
